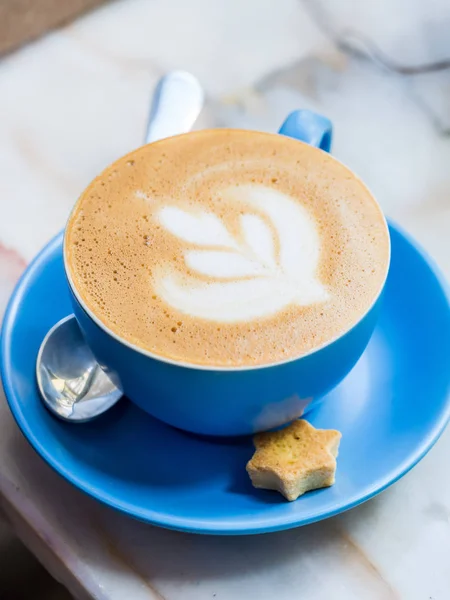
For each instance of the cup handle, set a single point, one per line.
(309, 127)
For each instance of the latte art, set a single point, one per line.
(272, 265)
(227, 248)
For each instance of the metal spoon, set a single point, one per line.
(71, 383)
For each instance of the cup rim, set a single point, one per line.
(228, 368)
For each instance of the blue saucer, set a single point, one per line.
(391, 409)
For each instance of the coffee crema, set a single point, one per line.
(227, 248)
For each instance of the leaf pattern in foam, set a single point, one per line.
(233, 301)
(222, 264)
(299, 241)
(226, 301)
(201, 228)
(259, 239)
(247, 280)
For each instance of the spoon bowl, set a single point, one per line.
(72, 384)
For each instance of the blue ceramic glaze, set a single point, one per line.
(391, 409)
(230, 401)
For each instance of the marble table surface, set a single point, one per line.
(73, 102)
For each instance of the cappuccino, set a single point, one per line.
(227, 248)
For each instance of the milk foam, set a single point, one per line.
(272, 264)
(227, 248)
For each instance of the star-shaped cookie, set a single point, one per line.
(294, 460)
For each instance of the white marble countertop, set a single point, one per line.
(73, 102)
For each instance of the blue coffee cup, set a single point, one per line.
(229, 401)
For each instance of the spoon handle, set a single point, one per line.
(177, 102)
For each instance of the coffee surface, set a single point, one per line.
(227, 248)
